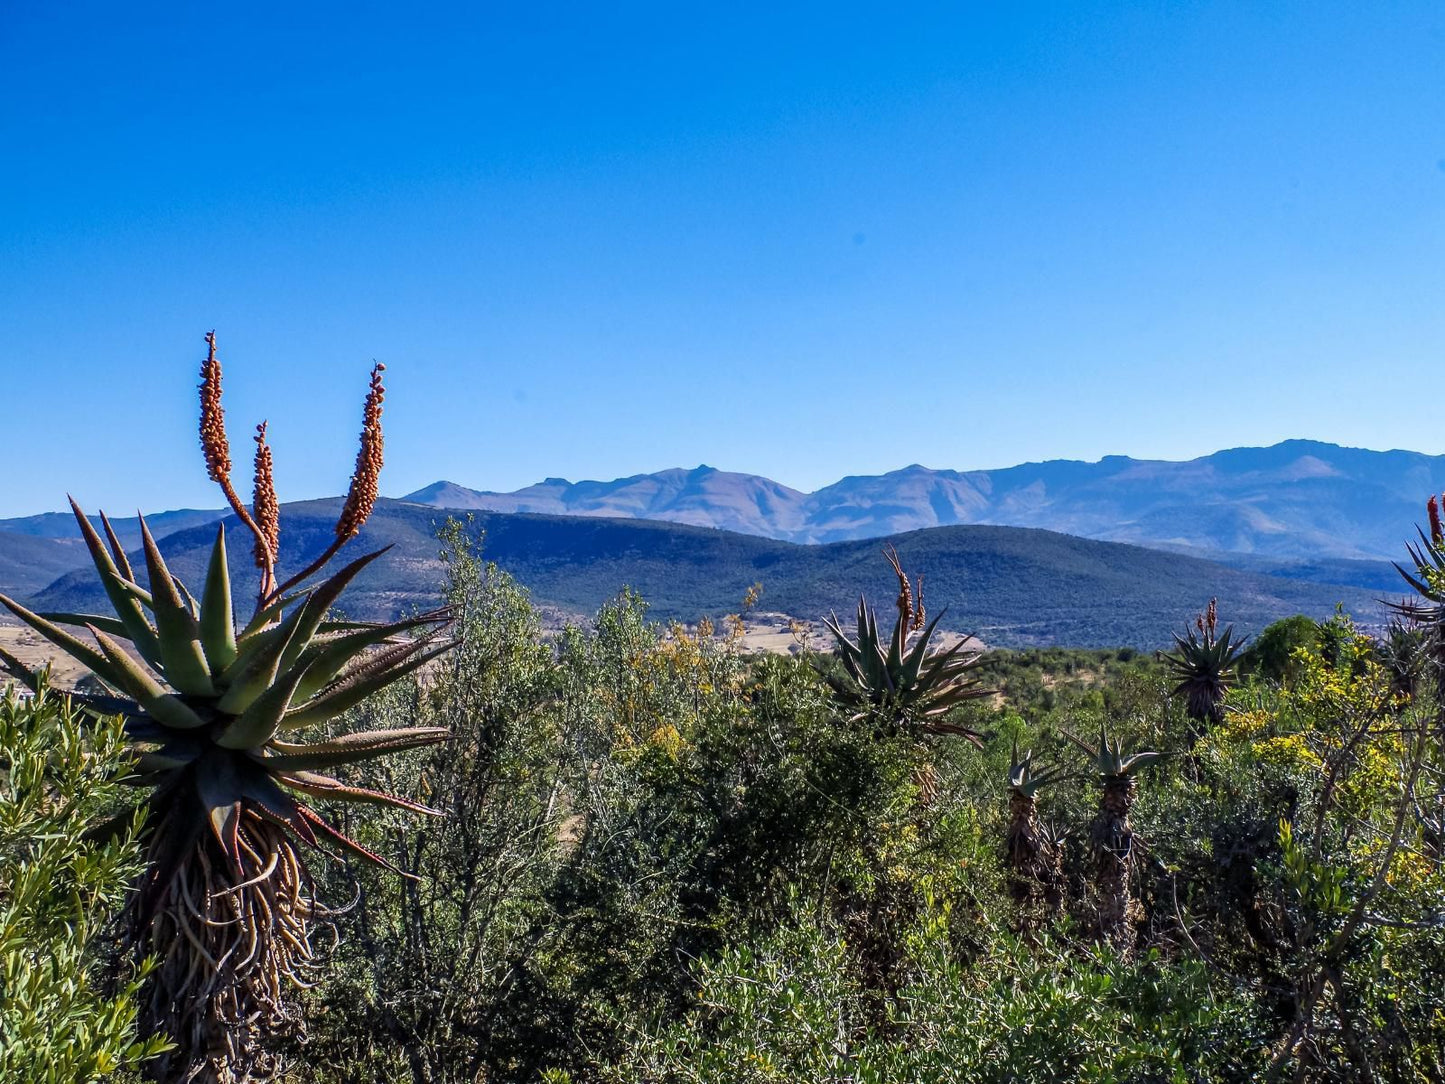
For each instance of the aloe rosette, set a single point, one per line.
(1113, 836)
(900, 682)
(1205, 661)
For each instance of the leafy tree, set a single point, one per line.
(428, 962)
(1272, 655)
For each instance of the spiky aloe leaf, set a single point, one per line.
(192, 605)
(286, 757)
(1131, 764)
(913, 663)
(218, 622)
(218, 786)
(182, 656)
(348, 844)
(117, 551)
(77, 649)
(166, 708)
(332, 656)
(26, 676)
(139, 593)
(137, 628)
(1108, 756)
(323, 786)
(256, 667)
(261, 719)
(268, 799)
(167, 759)
(264, 618)
(113, 626)
(1023, 778)
(313, 611)
(352, 690)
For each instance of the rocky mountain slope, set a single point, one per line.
(1298, 500)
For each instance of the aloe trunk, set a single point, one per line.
(1114, 850)
(1033, 862)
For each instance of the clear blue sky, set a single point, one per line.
(601, 240)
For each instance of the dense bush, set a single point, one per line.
(58, 1023)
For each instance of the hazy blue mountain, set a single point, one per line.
(127, 528)
(1297, 500)
(1009, 585)
(703, 497)
(28, 562)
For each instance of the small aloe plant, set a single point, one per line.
(215, 711)
(1033, 857)
(1205, 661)
(1112, 835)
(1426, 613)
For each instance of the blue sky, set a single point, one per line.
(602, 240)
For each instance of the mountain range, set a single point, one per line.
(1120, 551)
(1297, 500)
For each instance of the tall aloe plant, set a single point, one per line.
(1426, 617)
(217, 712)
(1426, 613)
(1113, 836)
(1205, 661)
(1034, 862)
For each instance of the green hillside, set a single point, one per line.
(1009, 585)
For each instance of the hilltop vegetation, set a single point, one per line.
(728, 883)
(1007, 585)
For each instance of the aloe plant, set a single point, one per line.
(1205, 661)
(1426, 613)
(1112, 835)
(218, 714)
(1033, 856)
(901, 685)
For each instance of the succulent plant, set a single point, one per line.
(1112, 835)
(1023, 780)
(901, 685)
(216, 713)
(1204, 661)
(1110, 762)
(1034, 865)
(1427, 612)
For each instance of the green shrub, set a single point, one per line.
(58, 1024)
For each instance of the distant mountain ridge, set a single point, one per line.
(1296, 500)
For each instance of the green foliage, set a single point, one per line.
(791, 1009)
(58, 1023)
(704, 877)
(422, 956)
(1272, 654)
